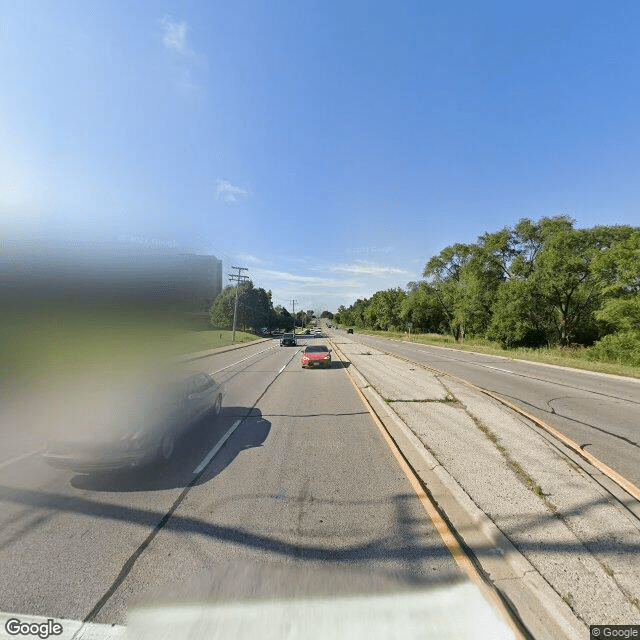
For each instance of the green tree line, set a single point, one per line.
(255, 310)
(538, 283)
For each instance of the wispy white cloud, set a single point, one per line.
(287, 277)
(247, 257)
(285, 258)
(328, 284)
(175, 36)
(368, 268)
(228, 192)
(183, 58)
(371, 250)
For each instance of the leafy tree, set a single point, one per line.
(563, 277)
(618, 271)
(443, 273)
(521, 317)
(302, 319)
(282, 318)
(384, 309)
(254, 307)
(421, 308)
(221, 311)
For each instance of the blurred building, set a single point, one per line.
(205, 279)
(109, 276)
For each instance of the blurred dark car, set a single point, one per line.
(288, 340)
(147, 435)
(349, 330)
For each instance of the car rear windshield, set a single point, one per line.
(316, 349)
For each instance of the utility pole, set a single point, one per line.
(237, 278)
(293, 302)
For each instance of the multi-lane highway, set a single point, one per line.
(305, 478)
(600, 412)
(291, 492)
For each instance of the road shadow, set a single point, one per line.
(190, 450)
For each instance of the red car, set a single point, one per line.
(316, 356)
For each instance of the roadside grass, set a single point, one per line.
(193, 341)
(576, 357)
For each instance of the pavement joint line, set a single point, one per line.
(24, 456)
(209, 457)
(610, 473)
(442, 487)
(452, 540)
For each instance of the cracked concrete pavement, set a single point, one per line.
(581, 540)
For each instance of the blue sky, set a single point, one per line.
(331, 147)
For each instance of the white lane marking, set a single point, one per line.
(24, 456)
(283, 367)
(217, 448)
(486, 366)
(239, 361)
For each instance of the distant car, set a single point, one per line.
(144, 435)
(318, 332)
(288, 340)
(349, 330)
(316, 355)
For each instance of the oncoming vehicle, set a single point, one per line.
(288, 340)
(318, 355)
(144, 432)
(349, 330)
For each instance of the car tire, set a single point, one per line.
(167, 446)
(217, 407)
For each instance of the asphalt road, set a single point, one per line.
(601, 413)
(305, 480)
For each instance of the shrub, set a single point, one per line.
(622, 347)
